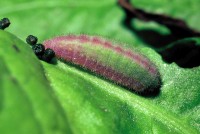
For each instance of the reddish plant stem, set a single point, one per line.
(177, 26)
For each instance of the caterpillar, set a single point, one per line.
(121, 65)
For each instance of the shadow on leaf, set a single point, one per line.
(185, 53)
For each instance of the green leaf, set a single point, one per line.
(107, 108)
(91, 104)
(27, 103)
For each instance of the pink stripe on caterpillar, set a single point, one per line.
(76, 49)
(98, 41)
(100, 69)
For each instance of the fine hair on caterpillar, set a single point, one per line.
(115, 62)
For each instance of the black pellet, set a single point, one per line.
(32, 40)
(38, 49)
(4, 23)
(48, 55)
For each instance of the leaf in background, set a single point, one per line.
(176, 26)
(93, 105)
(27, 104)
